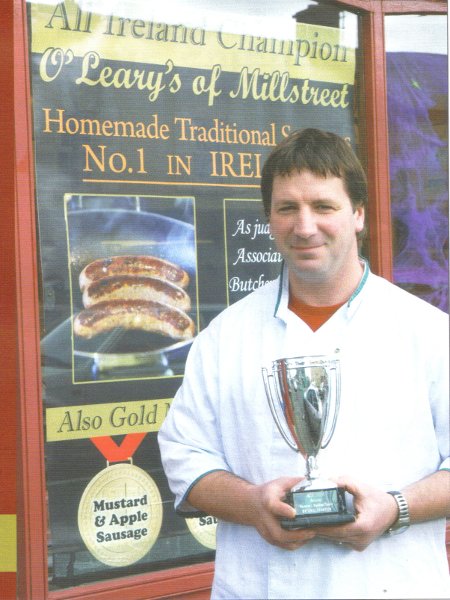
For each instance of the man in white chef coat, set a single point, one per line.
(223, 454)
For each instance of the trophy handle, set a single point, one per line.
(334, 400)
(274, 407)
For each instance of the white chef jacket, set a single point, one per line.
(392, 430)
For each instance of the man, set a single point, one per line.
(222, 451)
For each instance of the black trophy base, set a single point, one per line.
(317, 508)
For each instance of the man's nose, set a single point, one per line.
(305, 223)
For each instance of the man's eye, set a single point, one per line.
(286, 208)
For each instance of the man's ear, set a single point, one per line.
(360, 218)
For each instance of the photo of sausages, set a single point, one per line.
(136, 265)
(134, 292)
(133, 286)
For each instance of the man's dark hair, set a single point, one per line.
(321, 152)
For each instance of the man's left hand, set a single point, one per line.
(375, 512)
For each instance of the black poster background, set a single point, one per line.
(212, 205)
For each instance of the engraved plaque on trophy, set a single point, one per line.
(304, 398)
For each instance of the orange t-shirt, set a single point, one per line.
(314, 316)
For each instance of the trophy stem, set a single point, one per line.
(312, 469)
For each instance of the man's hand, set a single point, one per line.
(231, 498)
(270, 508)
(375, 512)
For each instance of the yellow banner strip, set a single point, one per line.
(94, 420)
(313, 52)
(8, 544)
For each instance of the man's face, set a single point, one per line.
(315, 226)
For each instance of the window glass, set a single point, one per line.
(417, 85)
(151, 123)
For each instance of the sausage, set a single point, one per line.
(154, 317)
(129, 287)
(140, 265)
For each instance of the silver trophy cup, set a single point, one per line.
(304, 397)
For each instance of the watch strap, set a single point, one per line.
(403, 520)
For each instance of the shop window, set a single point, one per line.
(417, 87)
(151, 123)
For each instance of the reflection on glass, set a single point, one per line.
(417, 86)
(245, 16)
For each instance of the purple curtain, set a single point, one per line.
(418, 141)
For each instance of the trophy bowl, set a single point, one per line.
(304, 398)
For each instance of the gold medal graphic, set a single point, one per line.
(204, 530)
(120, 515)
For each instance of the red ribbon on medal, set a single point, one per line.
(117, 453)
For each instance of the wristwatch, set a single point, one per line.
(403, 521)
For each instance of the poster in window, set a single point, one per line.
(149, 138)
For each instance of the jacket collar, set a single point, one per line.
(282, 299)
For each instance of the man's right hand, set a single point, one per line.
(231, 498)
(270, 507)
